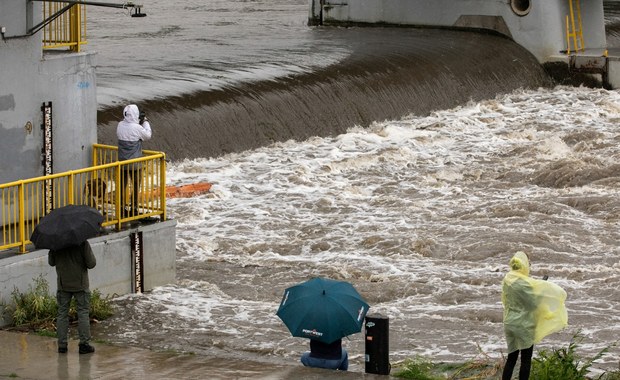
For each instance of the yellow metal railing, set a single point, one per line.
(103, 186)
(574, 27)
(66, 30)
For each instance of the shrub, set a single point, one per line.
(418, 369)
(100, 308)
(37, 310)
(565, 363)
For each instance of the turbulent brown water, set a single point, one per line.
(420, 213)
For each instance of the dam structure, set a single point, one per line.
(571, 32)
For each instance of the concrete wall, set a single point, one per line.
(614, 72)
(541, 30)
(113, 273)
(18, 16)
(28, 78)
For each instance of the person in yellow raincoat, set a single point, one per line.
(533, 309)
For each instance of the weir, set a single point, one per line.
(390, 73)
(393, 69)
(571, 32)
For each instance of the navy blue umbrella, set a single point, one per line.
(66, 226)
(322, 309)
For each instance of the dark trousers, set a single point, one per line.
(526, 364)
(341, 364)
(130, 175)
(62, 322)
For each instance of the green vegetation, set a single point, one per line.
(419, 368)
(100, 308)
(480, 368)
(36, 310)
(554, 364)
(564, 363)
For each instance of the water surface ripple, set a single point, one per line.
(421, 214)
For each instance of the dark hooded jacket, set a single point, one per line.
(72, 265)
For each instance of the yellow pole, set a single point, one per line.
(574, 32)
(162, 186)
(95, 157)
(567, 38)
(70, 188)
(580, 25)
(117, 195)
(22, 223)
(75, 23)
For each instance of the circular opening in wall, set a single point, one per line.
(521, 7)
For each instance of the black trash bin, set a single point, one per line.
(377, 344)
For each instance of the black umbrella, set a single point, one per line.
(67, 226)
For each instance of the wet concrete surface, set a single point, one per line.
(29, 356)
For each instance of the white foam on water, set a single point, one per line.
(421, 214)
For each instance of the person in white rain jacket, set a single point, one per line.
(131, 131)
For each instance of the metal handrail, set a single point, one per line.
(65, 25)
(25, 202)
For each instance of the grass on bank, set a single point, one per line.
(36, 310)
(547, 364)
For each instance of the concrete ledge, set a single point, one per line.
(113, 274)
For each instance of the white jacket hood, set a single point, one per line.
(131, 113)
(130, 134)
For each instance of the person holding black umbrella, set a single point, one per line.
(72, 264)
(65, 232)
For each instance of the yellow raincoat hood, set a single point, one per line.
(533, 308)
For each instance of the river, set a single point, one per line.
(393, 159)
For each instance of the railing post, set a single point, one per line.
(95, 155)
(162, 186)
(75, 27)
(117, 195)
(567, 37)
(70, 188)
(22, 222)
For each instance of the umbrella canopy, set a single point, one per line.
(322, 309)
(66, 226)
